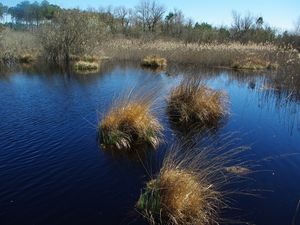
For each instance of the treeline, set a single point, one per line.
(27, 15)
(149, 19)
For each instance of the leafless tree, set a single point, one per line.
(149, 13)
(123, 15)
(297, 26)
(242, 24)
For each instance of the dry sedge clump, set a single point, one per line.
(128, 123)
(154, 61)
(26, 58)
(189, 189)
(86, 66)
(254, 64)
(193, 102)
(177, 196)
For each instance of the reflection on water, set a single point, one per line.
(53, 171)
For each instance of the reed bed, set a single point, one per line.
(212, 55)
(18, 47)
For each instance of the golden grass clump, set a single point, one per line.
(83, 66)
(26, 58)
(193, 102)
(190, 188)
(128, 123)
(254, 63)
(179, 198)
(154, 61)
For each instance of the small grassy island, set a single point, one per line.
(193, 102)
(130, 123)
(154, 61)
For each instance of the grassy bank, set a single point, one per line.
(259, 56)
(16, 46)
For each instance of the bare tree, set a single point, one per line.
(149, 13)
(123, 14)
(297, 26)
(241, 24)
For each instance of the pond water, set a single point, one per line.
(53, 171)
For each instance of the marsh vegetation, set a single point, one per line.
(247, 58)
(130, 121)
(190, 188)
(192, 102)
(56, 34)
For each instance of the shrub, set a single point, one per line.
(193, 102)
(130, 122)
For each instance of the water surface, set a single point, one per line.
(52, 170)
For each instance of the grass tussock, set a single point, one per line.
(193, 102)
(27, 58)
(254, 64)
(128, 123)
(85, 66)
(154, 61)
(189, 188)
(179, 197)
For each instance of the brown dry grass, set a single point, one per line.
(193, 102)
(17, 45)
(211, 55)
(190, 188)
(254, 64)
(130, 122)
(185, 198)
(27, 58)
(154, 61)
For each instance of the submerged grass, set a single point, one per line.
(193, 102)
(130, 122)
(189, 188)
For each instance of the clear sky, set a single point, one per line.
(277, 13)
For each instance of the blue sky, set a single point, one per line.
(277, 13)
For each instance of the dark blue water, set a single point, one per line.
(52, 170)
